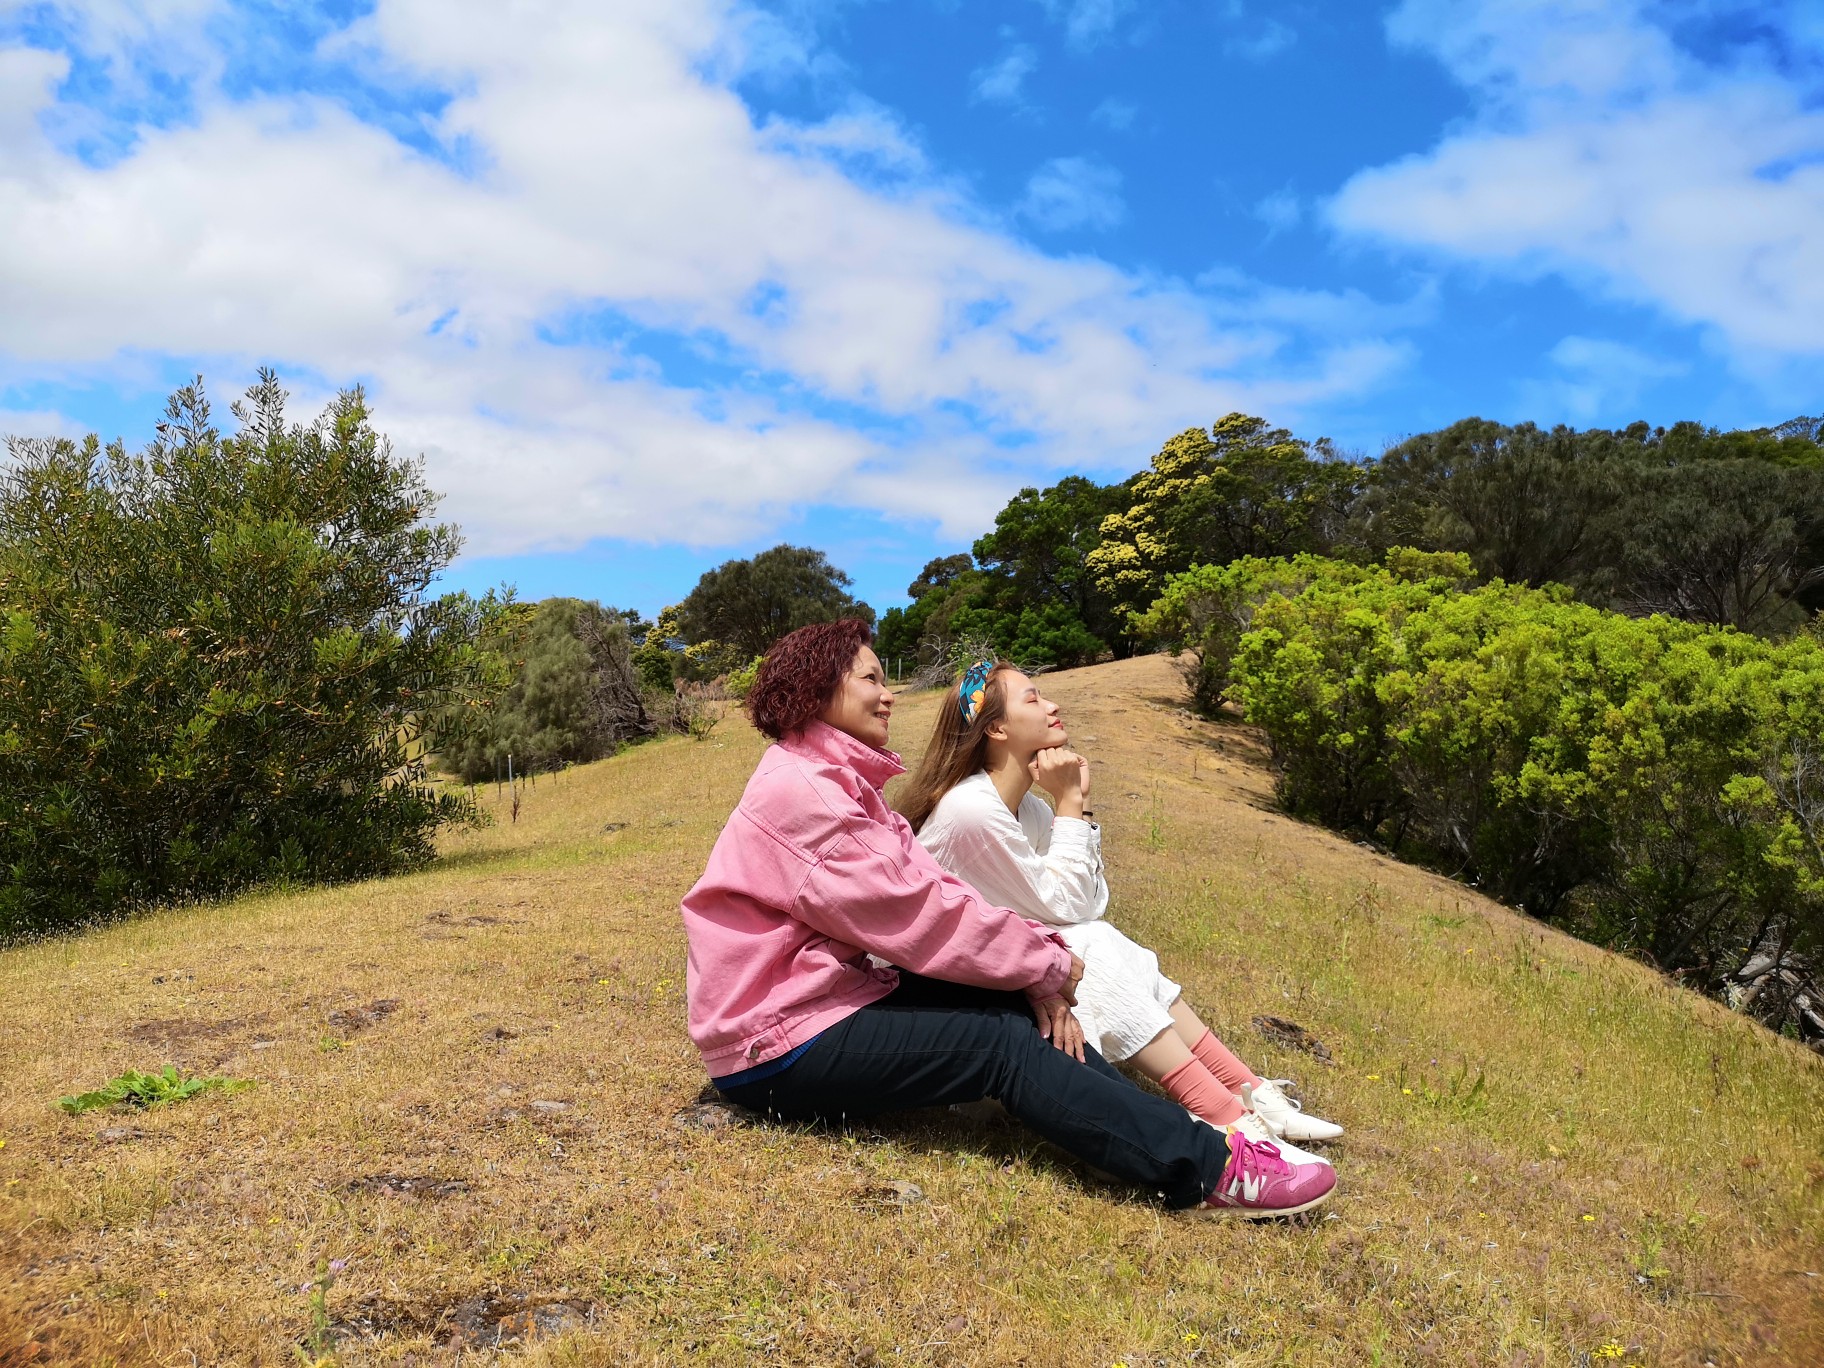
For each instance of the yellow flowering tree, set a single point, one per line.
(1241, 488)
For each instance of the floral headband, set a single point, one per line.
(974, 688)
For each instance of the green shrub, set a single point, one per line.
(217, 659)
(740, 681)
(1653, 784)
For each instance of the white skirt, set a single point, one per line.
(1123, 1001)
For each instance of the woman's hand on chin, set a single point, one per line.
(1059, 1025)
(1063, 774)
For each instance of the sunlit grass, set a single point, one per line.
(1551, 1152)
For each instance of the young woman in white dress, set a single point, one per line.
(972, 806)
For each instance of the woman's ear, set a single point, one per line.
(997, 731)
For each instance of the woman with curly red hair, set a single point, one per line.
(813, 873)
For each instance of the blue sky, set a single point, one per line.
(655, 283)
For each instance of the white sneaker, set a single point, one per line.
(1285, 1118)
(1257, 1130)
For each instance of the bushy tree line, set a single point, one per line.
(589, 679)
(1706, 526)
(1717, 527)
(219, 658)
(1653, 784)
(1028, 588)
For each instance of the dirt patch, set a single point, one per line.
(489, 1321)
(442, 918)
(349, 1020)
(410, 1185)
(896, 1192)
(184, 1031)
(709, 1111)
(499, 1034)
(1292, 1036)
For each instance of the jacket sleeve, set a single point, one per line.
(1062, 887)
(875, 887)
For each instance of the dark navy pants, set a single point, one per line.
(930, 1043)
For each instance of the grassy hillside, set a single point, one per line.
(1553, 1157)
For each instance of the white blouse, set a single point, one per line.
(1043, 866)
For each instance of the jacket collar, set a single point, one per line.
(820, 741)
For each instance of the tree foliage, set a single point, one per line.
(1718, 527)
(1524, 504)
(219, 658)
(1027, 590)
(1241, 488)
(742, 607)
(577, 696)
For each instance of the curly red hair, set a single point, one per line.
(800, 674)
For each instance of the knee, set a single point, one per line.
(1016, 1041)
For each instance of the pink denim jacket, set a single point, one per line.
(812, 873)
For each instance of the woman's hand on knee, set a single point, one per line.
(1059, 1025)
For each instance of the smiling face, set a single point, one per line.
(862, 705)
(1029, 721)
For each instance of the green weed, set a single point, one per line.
(318, 1347)
(148, 1090)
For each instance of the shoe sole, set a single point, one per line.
(1258, 1213)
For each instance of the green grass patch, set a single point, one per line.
(149, 1090)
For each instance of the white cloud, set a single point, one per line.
(864, 137)
(1269, 40)
(1116, 114)
(1279, 211)
(38, 423)
(1598, 378)
(1073, 192)
(1254, 42)
(1004, 82)
(873, 338)
(1604, 152)
(1087, 23)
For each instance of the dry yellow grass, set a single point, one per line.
(1638, 1179)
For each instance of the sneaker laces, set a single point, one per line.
(1259, 1156)
(1250, 1125)
(1279, 1085)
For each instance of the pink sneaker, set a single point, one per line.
(1257, 1182)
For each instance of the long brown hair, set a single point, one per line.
(958, 748)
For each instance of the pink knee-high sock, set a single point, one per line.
(1191, 1086)
(1228, 1070)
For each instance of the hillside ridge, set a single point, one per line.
(473, 1084)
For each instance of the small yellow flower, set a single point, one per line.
(1407, 1091)
(272, 1220)
(1608, 1350)
(1191, 1337)
(2, 1142)
(162, 1294)
(1374, 1078)
(1588, 1217)
(603, 983)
